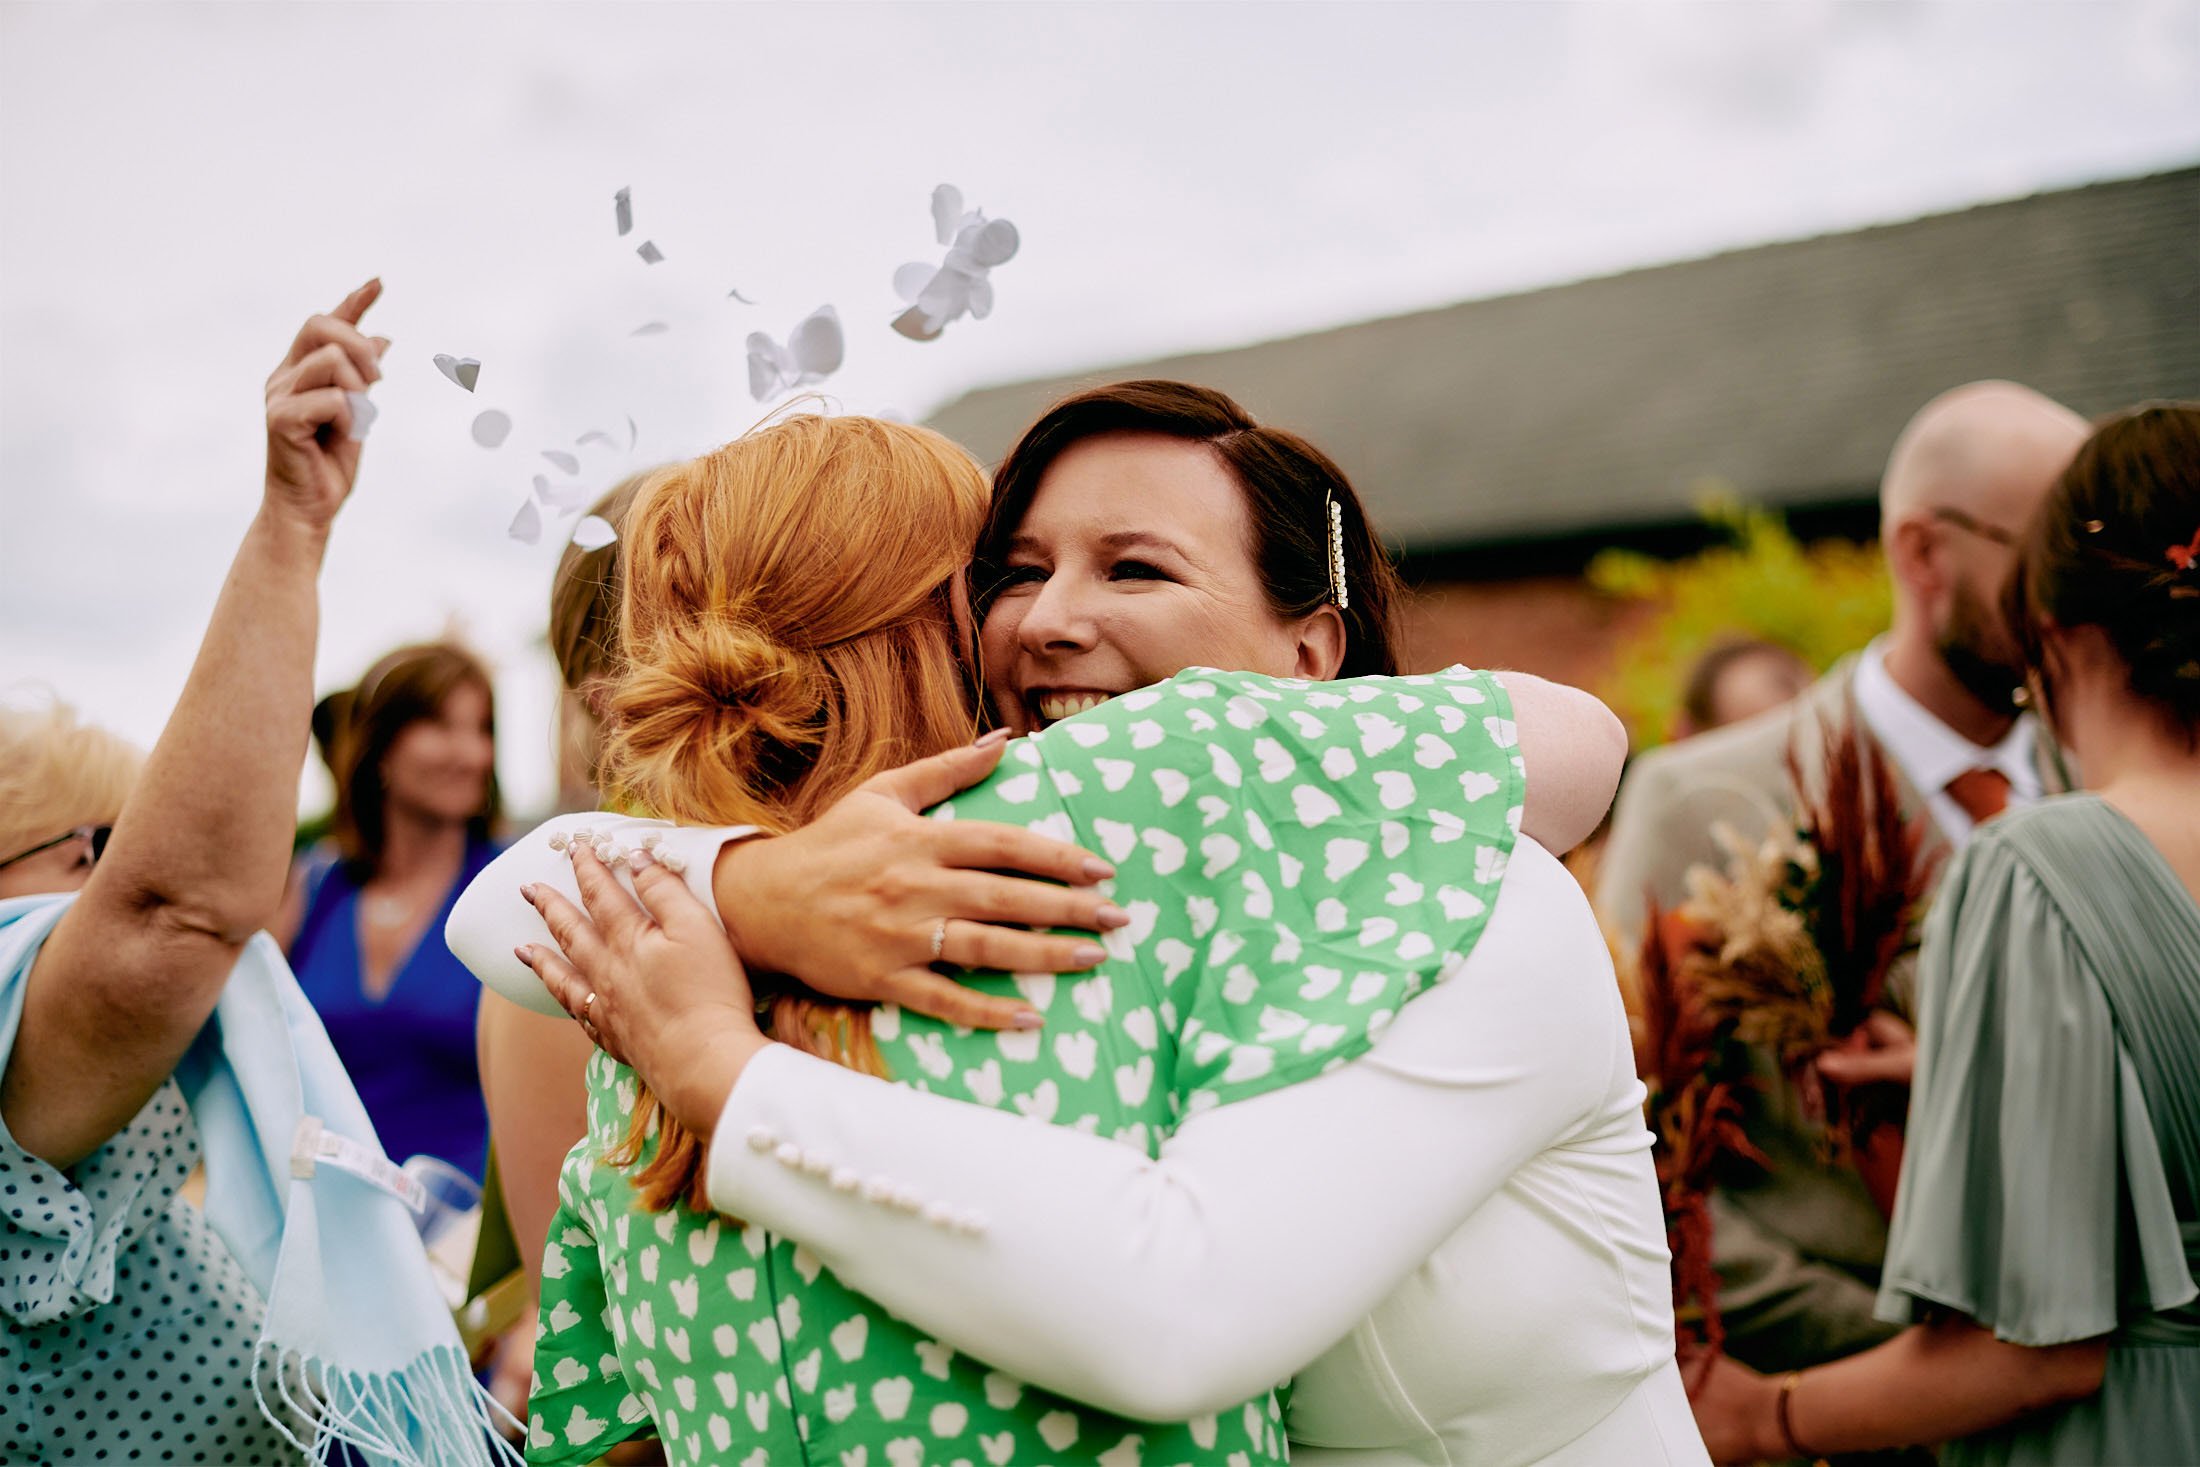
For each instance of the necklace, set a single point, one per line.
(387, 912)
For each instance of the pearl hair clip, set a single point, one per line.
(1339, 592)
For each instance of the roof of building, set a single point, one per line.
(1784, 370)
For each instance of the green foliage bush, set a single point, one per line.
(1824, 600)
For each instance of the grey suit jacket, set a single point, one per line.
(1798, 1247)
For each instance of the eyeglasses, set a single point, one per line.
(1979, 528)
(93, 835)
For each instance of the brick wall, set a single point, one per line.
(1553, 626)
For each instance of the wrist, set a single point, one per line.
(734, 873)
(695, 1076)
(1777, 1434)
(290, 533)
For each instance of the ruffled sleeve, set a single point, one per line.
(61, 1233)
(2033, 1197)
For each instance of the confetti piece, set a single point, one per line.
(650, 328)
(744, 300)
(492, 428)
(562, 460)
(632, 433)
(649, 252)
(594, 532)
(958, 286)
(363, 414)
(595, 435)
(564, 498)
(813, 352)
(465, 371)
(527, 524)
(623, 202)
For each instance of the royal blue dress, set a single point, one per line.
(411, 1052)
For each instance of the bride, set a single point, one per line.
(1444, 1222)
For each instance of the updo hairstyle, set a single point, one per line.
(2116, 545)
(1287, 483)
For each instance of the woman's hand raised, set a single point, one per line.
(652, 980)
(862, 902)
(313, 432)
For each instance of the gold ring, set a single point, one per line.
(586, 1004)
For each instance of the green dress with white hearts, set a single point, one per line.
(1297, 859)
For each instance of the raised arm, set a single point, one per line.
(197, 860)
(1159, 1289)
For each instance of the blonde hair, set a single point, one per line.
(786, 633)
(57, 773)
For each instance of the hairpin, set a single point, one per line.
(1338, 591)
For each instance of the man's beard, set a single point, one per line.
(1973, 648)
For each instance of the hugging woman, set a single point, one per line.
(1353, 1058)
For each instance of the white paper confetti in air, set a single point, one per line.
(595, 435)
(623, 202)
(363, 414)
(465, 371)
(594, 532)
(564, 498)
(959, 285)
(562, 461)
(633, 434)
(736, 295)
(813, 352)
(650, 328)
(492, 428)
(527, 524)
(649, 252)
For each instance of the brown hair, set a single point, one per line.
(2104, 550)
(1700, 691)
(584, 630)
(405, 687)
(1286, 481)
(787, 633)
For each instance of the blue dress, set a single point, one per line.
(411, 1052)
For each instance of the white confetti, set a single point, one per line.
(623, 203)
(959, 285)
(492, 428)
(736, 295)
(465, 371)
(650, 328)
(564, 498)
(649, 252)
(595, 435)
(363, 414)
(813, 352)
(562, 461)
(632, 433)
(527, 524)
(594, 532)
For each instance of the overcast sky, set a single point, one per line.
(181, 184)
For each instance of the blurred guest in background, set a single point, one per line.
(2047, 1234)
(415, 803)
(1739, 679)
(1798, 1243)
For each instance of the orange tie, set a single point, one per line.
(1980, 793)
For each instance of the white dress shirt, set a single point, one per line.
(1930, 753)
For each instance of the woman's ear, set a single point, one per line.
(1321, 646)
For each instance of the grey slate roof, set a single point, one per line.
(1785, 369)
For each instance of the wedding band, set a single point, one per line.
(586, 1004)
(939, 939)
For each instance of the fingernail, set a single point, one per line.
(1026, 1019)
(987, 741)
(1086, 954)
(527, 890)
(1096, 869)
(1112, 915)
(521, 952)
(640, 857)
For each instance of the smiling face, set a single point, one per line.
(439, 767)
(1134, 562)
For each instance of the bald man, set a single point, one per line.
(1799, 1247)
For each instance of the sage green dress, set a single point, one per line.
(2051, 1186)
(1298, 860)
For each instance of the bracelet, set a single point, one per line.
(1796, 1449)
